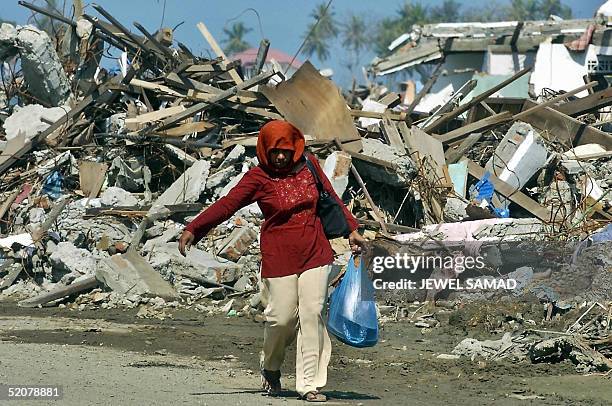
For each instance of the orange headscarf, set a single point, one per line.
(283, 135)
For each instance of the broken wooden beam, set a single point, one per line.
(375, 209)
(452, 155)
(217, 50)
(552, 101)
(560, 127)
(430, 82)
(200, 107)
(83, 285)
(476, 126)
(475, 100)
(262, 55)
(587, 104)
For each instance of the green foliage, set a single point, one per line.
(318, 36)
(354, 34)
(316, 43)
(234, 38)
(355, 37)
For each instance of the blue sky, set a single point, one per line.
(283, 21)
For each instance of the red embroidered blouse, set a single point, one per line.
(292, 238)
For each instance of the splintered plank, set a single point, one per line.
(566, 129)
(83, 285)
(199, 107)
(392, 134)
(476, 126)
(476, 100)
(217, 49)
(452, 155)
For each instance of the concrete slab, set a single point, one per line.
(130, 273)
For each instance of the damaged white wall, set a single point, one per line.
(558, 69)
(506, 63)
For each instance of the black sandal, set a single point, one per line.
(270, 382)
(314, 396)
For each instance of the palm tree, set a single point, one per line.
(328, 25)
(411, 13)
(320, 32)
(387, 30)
(390, 28)
(234, 38)
(316, 43)
(354, 37)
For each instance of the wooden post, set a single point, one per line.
(377, 213)
(217, 49)
(262, 54)
(88, 283)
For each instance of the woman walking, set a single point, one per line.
(296, 255)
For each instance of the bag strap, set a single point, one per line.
(312, 169)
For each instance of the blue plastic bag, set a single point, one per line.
(483, 190)
(352, 310)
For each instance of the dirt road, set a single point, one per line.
(106, 357)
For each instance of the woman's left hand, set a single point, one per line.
(356, 242)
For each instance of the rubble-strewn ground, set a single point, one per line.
(108, 356)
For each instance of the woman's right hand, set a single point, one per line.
(185, 242)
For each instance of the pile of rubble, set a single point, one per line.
(587, 343)
(101, 170)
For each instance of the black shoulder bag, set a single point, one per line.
(329, 210)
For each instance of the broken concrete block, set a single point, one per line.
(167, 259)
(68, 258)
(243, 283)
(8, 33)
(115, 196)
(220, 178)
(41, 66)
(235, 155)
(405, 169)
(130, 273)
(188, 187)
(559, 197)
(592, 192)
(455, 209)
(84, 28)
(519, 155)
(523, 277)
(24, 240)
(582, 151)
(31, 120)
(337, 168)
(237, 243)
